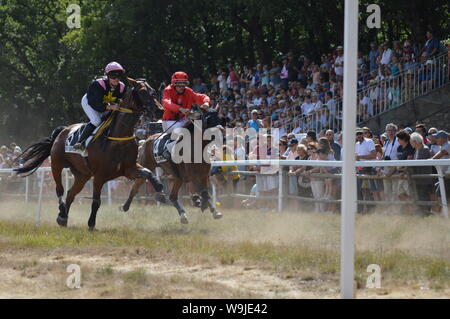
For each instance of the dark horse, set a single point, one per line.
(108, 158)
(195, 173)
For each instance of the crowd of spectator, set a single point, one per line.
(392, 184)
(298, 94)
(8, 154)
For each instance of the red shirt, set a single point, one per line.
(172, 101)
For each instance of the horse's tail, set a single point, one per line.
(36, 154)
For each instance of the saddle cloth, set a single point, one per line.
(73, 137)
(75, 133)
(160, 146)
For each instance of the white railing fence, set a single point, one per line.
(40, 185)
(386, 93)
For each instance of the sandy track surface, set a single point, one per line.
(140, 274)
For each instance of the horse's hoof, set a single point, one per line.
(217, 215)
(123, 209)
(183, 219)
(92, 229)
(61, 221)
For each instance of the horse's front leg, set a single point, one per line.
(141, 172)
(174, 199)
(134, 190)
(96, 202)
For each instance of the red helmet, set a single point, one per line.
(180, 78)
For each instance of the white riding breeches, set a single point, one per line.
(171, 126)
(174, 129)
(94, 116)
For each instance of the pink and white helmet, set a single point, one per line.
(114, 66)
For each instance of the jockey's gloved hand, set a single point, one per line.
(184, 111)
(205, 106)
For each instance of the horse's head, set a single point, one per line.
(211, 120)
(144, 96)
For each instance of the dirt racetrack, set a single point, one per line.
(146, 253)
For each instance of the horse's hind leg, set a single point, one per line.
(177, 182)
(134, 190)
(56, 172)
(80, 181)
(96, 202)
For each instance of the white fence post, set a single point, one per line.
(442, 190)
(38, 212)
(280, 189)
(27, 189)
(109, 192)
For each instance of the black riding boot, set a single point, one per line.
(84, 136)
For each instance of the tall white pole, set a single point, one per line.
(349, 205)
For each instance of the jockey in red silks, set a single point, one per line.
(178, 100)
(102, 96)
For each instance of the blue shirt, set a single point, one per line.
(432, 44)
(253, 124)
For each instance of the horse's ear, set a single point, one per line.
(132, 82)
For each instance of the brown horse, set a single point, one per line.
(108, 157)
(195, 173)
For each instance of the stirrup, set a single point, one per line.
(79, 146)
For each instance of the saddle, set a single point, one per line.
(75, 133)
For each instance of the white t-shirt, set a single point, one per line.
(222, 82)
(364, 148)
(390, 149)
(386, 58)
(339, 70)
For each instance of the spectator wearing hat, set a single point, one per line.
(444, 151)
(434, 147)
(408, 130)
(255, 123)
(365, 151)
